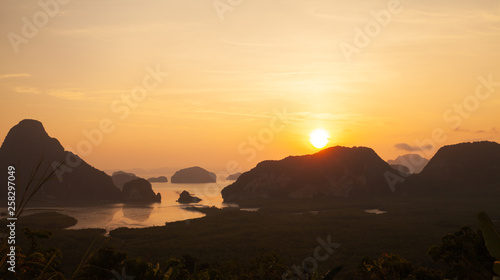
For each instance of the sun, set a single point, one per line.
(319, 138)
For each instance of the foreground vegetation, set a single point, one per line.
(281, 237)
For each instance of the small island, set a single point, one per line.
(120, 178)
(139, 190)
(193, 175)
(185, 197)
(161, 179)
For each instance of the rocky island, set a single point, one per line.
(185, 197)
(139, 190)
(120, 178)
(193, 175)
(161, 179)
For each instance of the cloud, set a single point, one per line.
(297, 73)
(313, 12)
(248, 44)
(291, 116)
(254, 115)
(67, 94)
(409, 148)
(62, 93)
(32, 90)
(14, 75)
(325, 116)
(493, 130)
(458, 129)
(236, 72)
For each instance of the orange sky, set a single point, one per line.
(371, 73)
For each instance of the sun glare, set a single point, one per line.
(319, 138)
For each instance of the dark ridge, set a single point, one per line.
(336, 171)
(465, 167)
(27, 144)
(193, 175)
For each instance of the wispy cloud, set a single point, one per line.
(325, 116)
(313, 12)
(23, 89)
(294, 116)
(248, 44)
(480, 131)
(297, 73)
(66, 93)
(14, 75)
(250, 114)
(409, 148)
(230, 72)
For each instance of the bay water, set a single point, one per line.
(138, 215)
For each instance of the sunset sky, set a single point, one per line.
(382, 74)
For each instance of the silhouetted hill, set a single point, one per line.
(193, 175)
(185, 197)
(120, 178)
(414, 162)
(337, 171)
(27, 144)
(233, 177)
(160, 179)
(465, 167)
(401, 169)
(139, 190)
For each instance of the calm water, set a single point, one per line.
(117, 215)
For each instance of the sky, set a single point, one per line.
(226, 84)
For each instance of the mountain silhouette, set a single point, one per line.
(336, 171)
(403, 170)
(233, 177)
(27, 144)
(139, 190)
(460, 168)
(185, 198)
(414, 162)
(120, 178)
(193, 175)
(160, 179)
